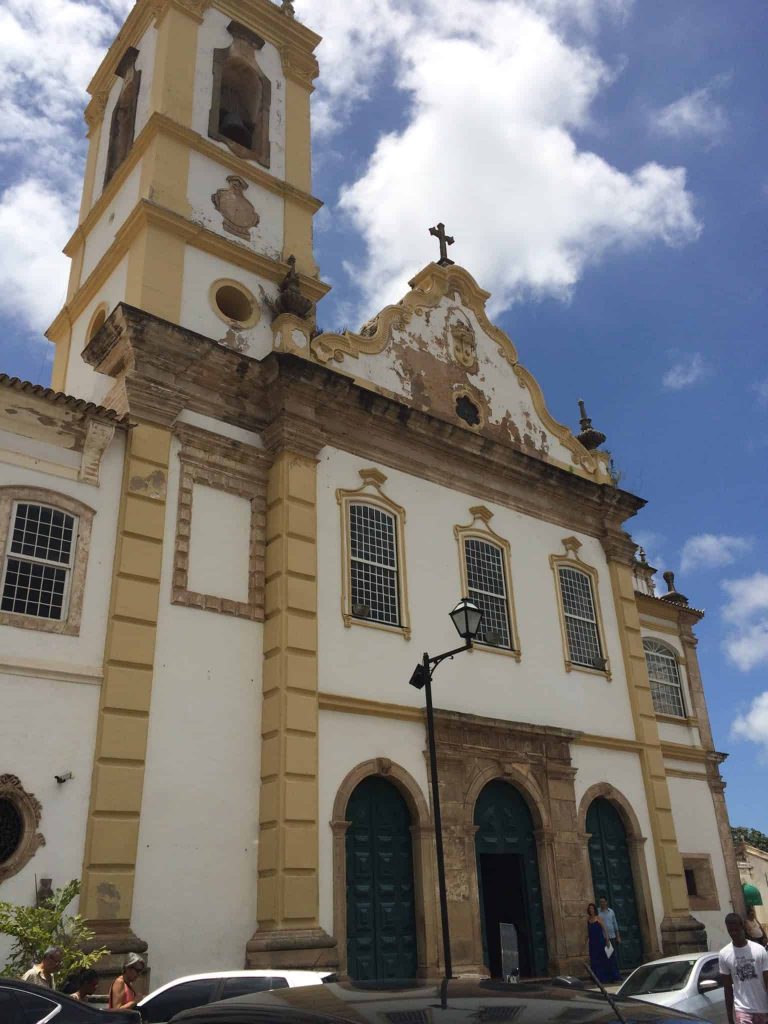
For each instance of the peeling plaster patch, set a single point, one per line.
(234, 341)
(153, 485)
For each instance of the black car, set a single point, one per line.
(21, 1003)
(467, 1001)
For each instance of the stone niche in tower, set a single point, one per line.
(241, 97)
(123, 122)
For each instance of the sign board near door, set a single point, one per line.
(510, 956)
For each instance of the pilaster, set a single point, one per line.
(679, 930)
(288, 933)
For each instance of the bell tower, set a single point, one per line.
(197, 199)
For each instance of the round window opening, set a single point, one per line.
(11, 829)
(234, 304)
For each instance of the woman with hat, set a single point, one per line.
(122, 995)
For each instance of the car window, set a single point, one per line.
(666, 976)
(10, 1009)
(177, 998)
(34, 1008)
(711, 971)
(244, 986)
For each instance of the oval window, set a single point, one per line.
(234, 304)
(11, 829)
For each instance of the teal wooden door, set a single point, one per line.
(381, 922)
(612, 876)
(505, 840)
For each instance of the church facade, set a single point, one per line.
(226, 539)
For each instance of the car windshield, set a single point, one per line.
(653, 978)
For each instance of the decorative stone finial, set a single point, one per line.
(641, 556)
(287, 8)
(673, 595)
(290, 299)
(589, 437)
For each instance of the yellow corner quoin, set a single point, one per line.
(288, 844)
(121, 742)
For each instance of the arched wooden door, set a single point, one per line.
(612, 876)
(381, 922)
(508, 877)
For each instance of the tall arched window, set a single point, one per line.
(664, 676)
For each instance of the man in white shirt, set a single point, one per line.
(44, 973)
(744, 968)
(611, 925)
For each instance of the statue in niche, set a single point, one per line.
(242, 96)
(123, 122)
(237, 212)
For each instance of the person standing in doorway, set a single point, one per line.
(744, 969)
(44, 973)
(611, 925)
(603, 965)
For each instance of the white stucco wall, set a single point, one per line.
(195, 893)
(206, 176)
(377, 664)
(213, 35)
(696, 827)
(197, 313)
(622, 770)
(102, 234)
(345, 742)
(82, 380)
(49, 691)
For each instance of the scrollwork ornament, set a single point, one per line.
(29, 810)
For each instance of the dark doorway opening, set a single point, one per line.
(502, 882)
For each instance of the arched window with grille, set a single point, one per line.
(579, 606)
(664, 676)
(374, 589)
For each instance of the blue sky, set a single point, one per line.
(602, 165)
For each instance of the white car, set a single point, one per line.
(198, 989)
(689, 982)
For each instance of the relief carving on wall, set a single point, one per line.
(464, 345)
(28, 812)
(238, 213)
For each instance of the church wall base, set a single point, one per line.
(292, 949)
(120, 941)
(682, 935)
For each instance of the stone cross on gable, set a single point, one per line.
(445, 241)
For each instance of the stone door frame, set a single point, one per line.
(636, 846)
(423, 851)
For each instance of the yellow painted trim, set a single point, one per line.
(288, 808)
(657, 608)
(669, 864)
(647, 623)
(370, 493)
(111, 840)
(572, 560)
(176, 54)
(480, 527)
(586, 739)
(683, 752)
(237, 325)
(343, 704)
(678, 773)
(61, 356)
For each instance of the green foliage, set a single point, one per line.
(752, 836)
(34, 929)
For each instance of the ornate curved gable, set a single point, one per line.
(437, 351)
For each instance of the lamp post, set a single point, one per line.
(466, 617)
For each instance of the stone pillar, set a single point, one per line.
(288, 933)
(112, 834)
(680, 932)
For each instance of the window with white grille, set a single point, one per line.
(38, 561)
(487, 586)
(664, 676)
(583, 636)
(374, 576)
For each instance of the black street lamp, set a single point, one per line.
(466, 617)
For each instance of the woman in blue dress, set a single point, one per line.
(604, 966)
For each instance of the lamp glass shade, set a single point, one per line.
(752, 896)
(466, 617)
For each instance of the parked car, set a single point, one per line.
(199, 989)
(21, 1003)
(468, 1001)
(689, 982)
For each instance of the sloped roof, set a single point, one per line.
(79, 405)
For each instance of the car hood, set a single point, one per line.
(662, 998)
(468, 1002)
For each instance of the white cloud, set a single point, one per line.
(753, 725)
(495, 91)
(698, 114)
(746, 613)
(761, 387)
(684, 373)
(710, 550)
